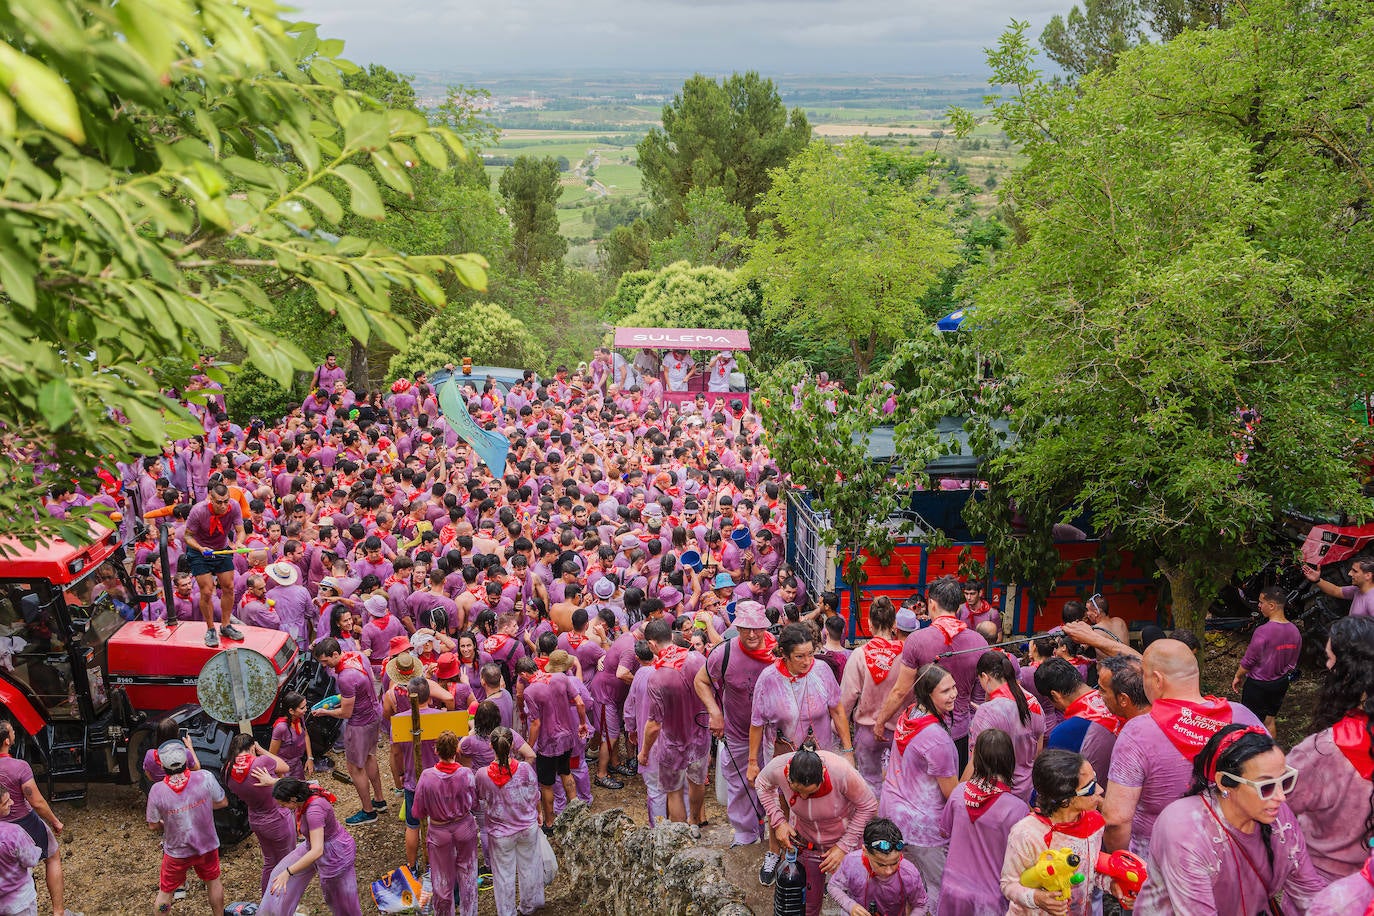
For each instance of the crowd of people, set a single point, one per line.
(616, 605)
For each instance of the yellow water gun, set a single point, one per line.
(1055, 871)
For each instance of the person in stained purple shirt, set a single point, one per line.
(271, 824)
(1088, 726)
(294, 606)
(673, 708)
(509, 792)
(182, 808)
(976, 819)
(1269, 660)
(446, 795)
(557, 720)
(878, 878)
(327, 374)
(328, 850)
(18, 857)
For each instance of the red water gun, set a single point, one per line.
(1127, 870)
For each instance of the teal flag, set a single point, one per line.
(490, 446)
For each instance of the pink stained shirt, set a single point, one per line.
(911, 794)
(1026, 739)
(796, 707)
(835, 819)
(980, 847)
(512, 808)
(1323, 801)
(928, 645)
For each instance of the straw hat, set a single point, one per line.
(558, 661)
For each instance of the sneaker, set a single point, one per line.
(378, 804)
(179, 893)
(368, 817)
(769, 872)
(231, 632)
(212, 638)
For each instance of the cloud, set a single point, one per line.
(814, 36)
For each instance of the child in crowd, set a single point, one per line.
(878, 880)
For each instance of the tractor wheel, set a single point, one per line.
(231, 823)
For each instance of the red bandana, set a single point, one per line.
(315, 792)
(949, 627)
(826, 786)
(355, 661)
(382, 622)
(1005, 691)
(575, 640)
(1085, 825)
(493, 644)
(216, 525)
(764, 653)
(447, 766)
(1351, 735)
(1092, 707)
(672, 657)
(501, 775)
(911, 724)
(1188, 725)
(291, 726)
(782, 669)
(979, 799)
(243, 763)
(879, 655)
(178, 782)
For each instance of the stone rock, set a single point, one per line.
(620, 869)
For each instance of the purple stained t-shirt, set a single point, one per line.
(979, 847)
(736, 694)
(551, 703)
(911, 794)
(18, 856)
(1144, 758)
(1361, 603)
(1001, 713)
(358, 685)
(1273, 651)
(13, 774)
(925, 646)
(797, 707)
(188, 816)
(511, 808)
(198, 525)
(339, 849)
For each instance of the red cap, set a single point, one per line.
(446, 667)
(397, 645)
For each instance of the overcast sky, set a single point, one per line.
(914, 37)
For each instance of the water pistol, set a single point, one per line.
(1055, 871)
(1127, 870)
(330, 702)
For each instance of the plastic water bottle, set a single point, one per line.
(789, 890)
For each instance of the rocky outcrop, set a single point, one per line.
(620, 869)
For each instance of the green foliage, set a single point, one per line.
(849, 246)
(727, 135)
(628, 290)
(1190, 292)
(627, 248)
(705, 236)
(1093, 37)
(531, 190)
(164, 164)
(486, 333)
(683, 296)
(252, 394)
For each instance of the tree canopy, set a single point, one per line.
(849, 244)
(683, 296)
(727, 135)
(486, 333)
(164, 163)
(1186, 315)
(531, 190)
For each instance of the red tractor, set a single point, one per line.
(85, 680)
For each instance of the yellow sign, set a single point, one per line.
(432, 725)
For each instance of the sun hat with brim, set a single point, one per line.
(723, 580)
(283, 573)
(403, 667)
(376, 605)
(558, 661)
(446, 667)
(329, 582)
(397, 645)
(750, 616)
(907, 621)
(670, 596)
(604, 588)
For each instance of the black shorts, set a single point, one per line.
(548, 769)
(33, 825)
(201, 565)
(1264, 698)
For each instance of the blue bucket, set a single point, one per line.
(742, 538)
(692, 560)
(730, 611)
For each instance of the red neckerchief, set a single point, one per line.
(949, 627)
(910, 724)
(575, 640)
(447, 766)
(1005, 692)
(383, 621)
(216, 526)
(1085, 825)
(674, 657)
(879, 655)
(178, 782)
(493, 644)
(146, 545)
(826, 785)
(501, 775)
(355, 661)
(542, 662)
(1188, 725)
(393, 579)
(1351, 735)
(979, 799)
(1368, 876)
(764, 653)
(315, 792)
(292, 726)
(782, 669)
(1092, 707)
(243, 763)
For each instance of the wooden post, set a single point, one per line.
(416, 743)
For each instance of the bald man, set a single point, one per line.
(1152, 763)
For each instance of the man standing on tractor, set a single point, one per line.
(213, 528)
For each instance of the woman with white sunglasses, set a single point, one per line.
(1232, 847)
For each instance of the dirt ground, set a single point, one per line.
(111, 858)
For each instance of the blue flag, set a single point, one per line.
(490, 446)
